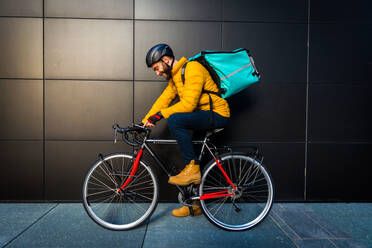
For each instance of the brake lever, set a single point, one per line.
(115, 135)
(138, 125)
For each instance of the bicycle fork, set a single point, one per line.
(133, 171)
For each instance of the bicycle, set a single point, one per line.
(121, 190)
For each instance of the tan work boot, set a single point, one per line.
(185, 211)
(190, 174)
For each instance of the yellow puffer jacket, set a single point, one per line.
(190, 93)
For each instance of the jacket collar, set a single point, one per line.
(178, 66)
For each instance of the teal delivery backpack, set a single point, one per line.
(232, 71)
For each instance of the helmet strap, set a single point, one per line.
(172, 63)
(171, 66)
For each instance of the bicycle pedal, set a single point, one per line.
(191, 211)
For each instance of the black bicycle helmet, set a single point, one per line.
(157, 52)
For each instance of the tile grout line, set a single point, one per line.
(297, 83)
(222, 23)
(237, 143)
(42, 216)
(253, 21)
(134, 61)
(307, 102)
(44, 108)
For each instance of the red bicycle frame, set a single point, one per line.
(203, 197)
(133, 171)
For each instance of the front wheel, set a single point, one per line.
(115, 209)
(247, 203)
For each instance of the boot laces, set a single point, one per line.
(187, 169)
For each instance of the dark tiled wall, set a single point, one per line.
(69, 69)
(339, 101)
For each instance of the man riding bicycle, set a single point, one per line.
(198, 108)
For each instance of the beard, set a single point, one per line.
(167, 72)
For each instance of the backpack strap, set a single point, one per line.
(183, 72)
(212, 73)
(211, 119)
(203, 91)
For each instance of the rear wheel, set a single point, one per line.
(251, 200)
(115, 209)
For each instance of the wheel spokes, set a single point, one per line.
(250, 202)
(114, 209)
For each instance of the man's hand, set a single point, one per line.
(151, 121)
(148, 124)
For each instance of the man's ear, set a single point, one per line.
(167, 60)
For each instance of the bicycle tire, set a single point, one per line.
(252, 200)
(116, 210)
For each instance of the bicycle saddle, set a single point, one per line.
(214, 131)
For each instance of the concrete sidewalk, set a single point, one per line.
(288, 225)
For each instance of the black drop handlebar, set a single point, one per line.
(132, 135)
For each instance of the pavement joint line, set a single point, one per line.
(281, 206)
(330, 232)
(32, 224)
(317, 223)
(144, 235)
(286, 234)
(358, 242)
(285, 223)
(327, 239)
(333, 243)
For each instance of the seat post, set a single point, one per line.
(206, 139)
(203, 146)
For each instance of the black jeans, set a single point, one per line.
(179, 123)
